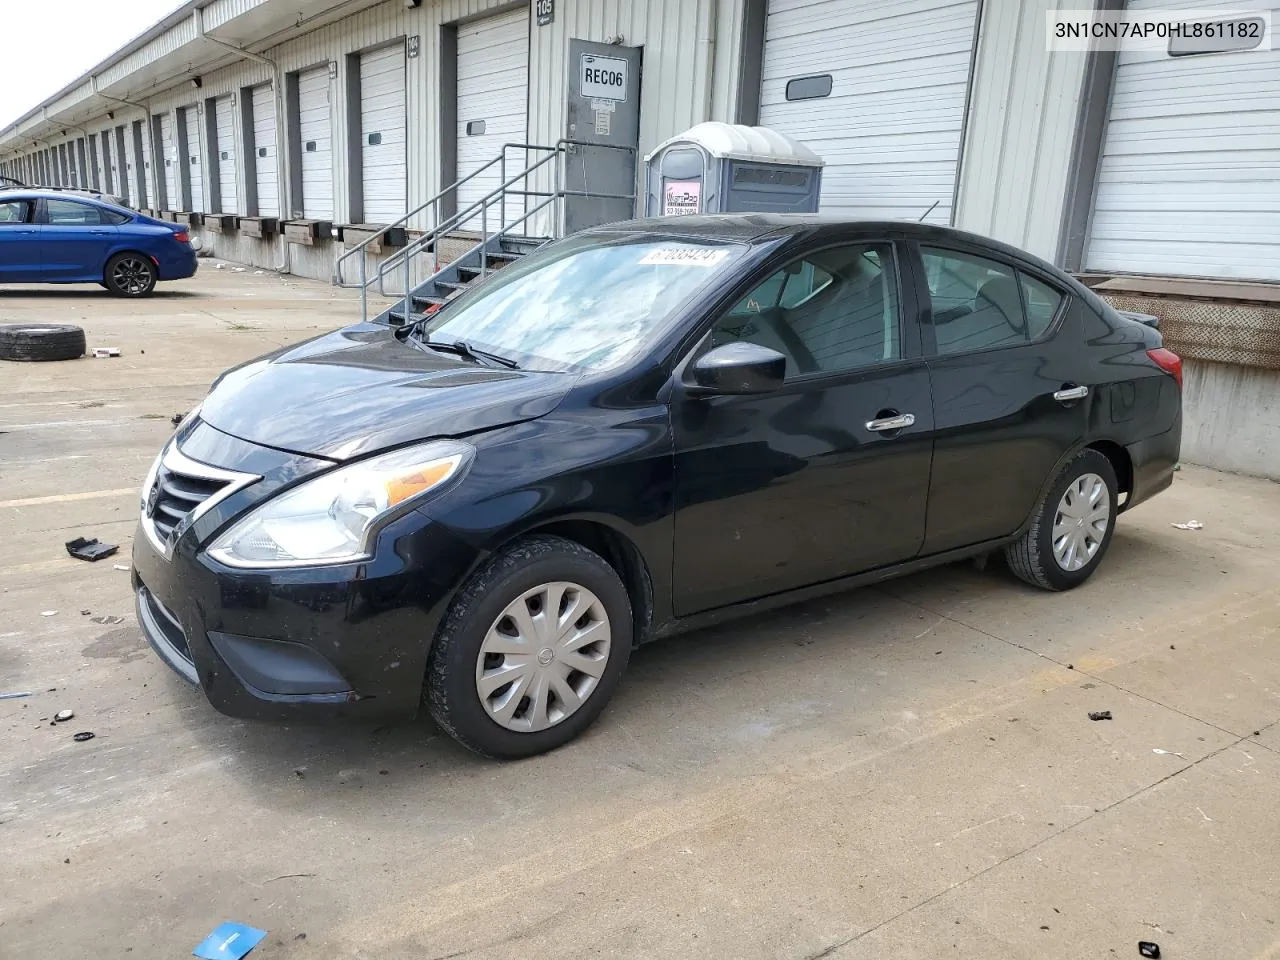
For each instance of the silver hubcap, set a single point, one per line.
(1080, 525)
(131, 275)
(543, 657)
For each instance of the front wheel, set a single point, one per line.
(1072, 527)
(532, 648)
(130, 275)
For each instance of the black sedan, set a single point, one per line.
(642, 428)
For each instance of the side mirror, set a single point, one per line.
(738, 368)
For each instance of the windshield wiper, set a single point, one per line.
(466, 350)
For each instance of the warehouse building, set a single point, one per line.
(287, 132)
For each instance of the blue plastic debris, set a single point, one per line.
(229, 941)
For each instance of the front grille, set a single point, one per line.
(178, 491)
(177, 497)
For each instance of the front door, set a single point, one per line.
(1008, 357)
(827, 476)
(19, 243)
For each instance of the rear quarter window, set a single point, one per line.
(1042, 303)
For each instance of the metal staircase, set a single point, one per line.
(482, 235)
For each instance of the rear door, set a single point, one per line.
(813, 481)
(1010, 390)
(19, 243)
(75, 240)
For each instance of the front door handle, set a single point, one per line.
(1069, 393)
(898, 421)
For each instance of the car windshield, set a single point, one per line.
(588, 303)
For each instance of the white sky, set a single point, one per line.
(62, 39)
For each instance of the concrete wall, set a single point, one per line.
(1231, 418)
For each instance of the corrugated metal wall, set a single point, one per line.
(1022, 121)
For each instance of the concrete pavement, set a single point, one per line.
(905, 771)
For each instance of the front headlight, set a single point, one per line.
(332, 518)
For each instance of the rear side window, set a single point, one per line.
(110, 216)
(980, 303)
(1042, 302)
(13, 211)
(69, 213)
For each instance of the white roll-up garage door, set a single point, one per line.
(148, 186)
(493, 98)
(316, 131)
(127, 187)
(224, 115)
(169, 146)
(879, 91)
(191, 162)
(1189, 181)
(107, 152)
(384, 167)
(264, 146)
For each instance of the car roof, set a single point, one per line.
(749, 227)
(62, 193)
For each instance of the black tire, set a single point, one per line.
(450, 694)
(41, 341)
(1031, 557)
(130, 275)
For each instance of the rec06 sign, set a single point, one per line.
(604, 78)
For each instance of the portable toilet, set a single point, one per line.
(731, 168)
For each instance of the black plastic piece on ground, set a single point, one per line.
(1100, 715)
(84, 735)
(1149, 949)
(94, 549)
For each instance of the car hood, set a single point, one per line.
(360, 390)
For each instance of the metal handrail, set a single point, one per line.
(477, 207)
(401, 258)
(360, 248)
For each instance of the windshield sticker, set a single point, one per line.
(684, 257)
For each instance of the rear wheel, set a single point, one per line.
(531, 650)
(130, 275)
(1072, 527)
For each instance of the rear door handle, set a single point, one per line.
(1067, 394)
(897, 422)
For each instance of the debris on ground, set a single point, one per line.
(19, 694)
(90, 549)
(176, 418)
(1149, 949)
(62, 716)
(1100, 715)
(85, 613)
(101, 353)
(229, 941)
(1166, 753)
(119, 566)
(83, 735)
(1189, 525)
(238, 270)
(219, 266)
(299, 772)
(48, 613)
(107, 620)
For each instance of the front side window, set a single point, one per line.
(828, 312)
(587, 303)
(980, 303)
(13, 211)
(69, 213)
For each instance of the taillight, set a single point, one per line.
(1169, 362)
(182, 236)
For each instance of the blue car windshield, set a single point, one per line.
(586, 303)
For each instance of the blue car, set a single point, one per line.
(50, 236)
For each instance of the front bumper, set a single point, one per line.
(311, 642)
